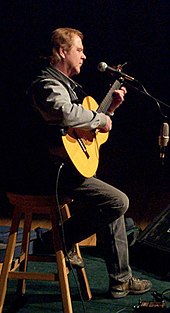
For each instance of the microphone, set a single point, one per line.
(102, 67)
(163, 139)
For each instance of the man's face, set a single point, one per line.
(74, 57)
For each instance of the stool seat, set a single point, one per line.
(25, 206)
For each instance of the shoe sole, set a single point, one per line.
(123, 294)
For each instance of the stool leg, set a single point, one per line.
(61, 265)
(21, 286)
(82, 277)
(9, 255)
(81, 273)
(63, 282)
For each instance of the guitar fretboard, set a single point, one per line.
(104, 106)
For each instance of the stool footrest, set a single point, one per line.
(34, 276)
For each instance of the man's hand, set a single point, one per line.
(108, 125)
(118, 98)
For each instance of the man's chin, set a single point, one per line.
(76, 72)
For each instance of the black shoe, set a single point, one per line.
(73, 259)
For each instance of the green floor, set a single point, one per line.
(45, 297)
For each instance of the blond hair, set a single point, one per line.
(62, 38)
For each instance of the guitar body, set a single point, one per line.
(83, 146)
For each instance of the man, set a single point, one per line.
(100, 207)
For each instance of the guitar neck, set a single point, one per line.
(104, 106)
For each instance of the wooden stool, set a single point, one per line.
(25, 206)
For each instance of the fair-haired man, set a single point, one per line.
(101, 207)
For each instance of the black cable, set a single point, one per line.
(164, 297)
(121, 310)
(63, 235)
(160, 296)
(146, 93)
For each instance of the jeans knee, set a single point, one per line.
(122, 204)
(125, 203)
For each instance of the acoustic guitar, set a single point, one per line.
(82, 146)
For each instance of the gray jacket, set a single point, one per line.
(59, 100)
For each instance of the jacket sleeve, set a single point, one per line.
(53, 101)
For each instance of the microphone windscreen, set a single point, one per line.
(102, 66)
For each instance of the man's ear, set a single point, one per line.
(62, 53)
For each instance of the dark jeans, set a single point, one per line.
(98, 208)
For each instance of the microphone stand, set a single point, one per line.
(161, 164)
(143, 91)
(146, 93)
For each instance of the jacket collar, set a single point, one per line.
(60, 76)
